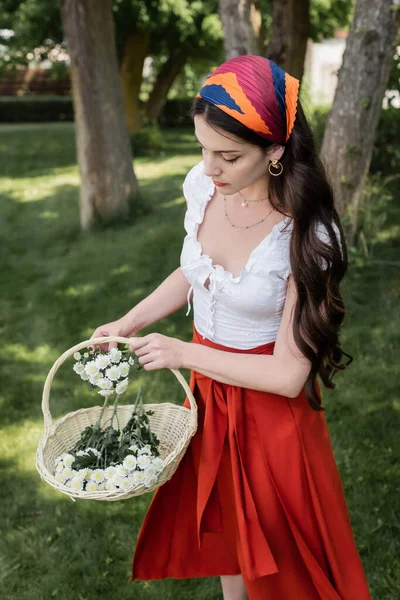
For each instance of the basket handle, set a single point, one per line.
(48, 421)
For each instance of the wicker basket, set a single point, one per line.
(174, 426)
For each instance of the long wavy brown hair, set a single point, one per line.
(303, 192)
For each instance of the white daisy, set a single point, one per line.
(68, 459)
(113, 373)
(77, 355)
(150, 472)
(105, 384)
(121, 387)
(60, 477)
(60, 467)
(97, 475)
(95, 379)
(115, 355)
(145, 450)
(143, 461)
(118, 480)
(86, 355)
(91, 486)
(129, 462)
(106, 392)
(134, 447)
(110, 485)
(67, 473)
(110, 472)
(137, 477)
(79, 368)
(76, 483)
(126, 484)
(91, 368)
(85, 376)
(124, 369)
(83, 473)
(158, 463)
(102, 361)
(148, 482)
(121, 470)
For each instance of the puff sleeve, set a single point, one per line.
(192, 187)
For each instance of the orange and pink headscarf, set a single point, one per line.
(255, 91)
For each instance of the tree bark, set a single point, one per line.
(351, 126)
(165, 78)
(241, 23)
(136, 49)
(108, 182)
(290, 32)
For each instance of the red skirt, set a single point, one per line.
(258, 492)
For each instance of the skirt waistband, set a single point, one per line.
(263, 349)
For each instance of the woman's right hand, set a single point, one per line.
(115, 328)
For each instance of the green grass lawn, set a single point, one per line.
(58, 285)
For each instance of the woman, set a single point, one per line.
(257, 498)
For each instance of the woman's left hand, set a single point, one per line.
(157, 351)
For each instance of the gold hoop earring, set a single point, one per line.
(276, 165)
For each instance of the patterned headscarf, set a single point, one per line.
(255, 91)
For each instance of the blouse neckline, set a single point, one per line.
(255, 253)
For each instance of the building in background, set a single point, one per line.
(321, 67)
(322, 63)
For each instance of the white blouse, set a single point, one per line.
(244, 311)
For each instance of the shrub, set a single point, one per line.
(35, 109)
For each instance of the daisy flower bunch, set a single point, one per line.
(105, 458)
(106, 371)
(139, 467)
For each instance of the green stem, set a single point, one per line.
(97, 425)
(115, 410)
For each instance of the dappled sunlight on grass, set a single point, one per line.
(47, 214)
(19, 442)
(18, 352)
(121, 270)
(77, 290)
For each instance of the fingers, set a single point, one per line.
(104, 347)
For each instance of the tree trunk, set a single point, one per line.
(104, 154)
(351, 126)
(241, 23)
(136, 49)
(165, 78)
(290, 31)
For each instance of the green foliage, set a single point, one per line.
(147, 141)
(386, 149)
(176, 113)
(373, 210)
(378, 193)
(326, 16)
(31, 109)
